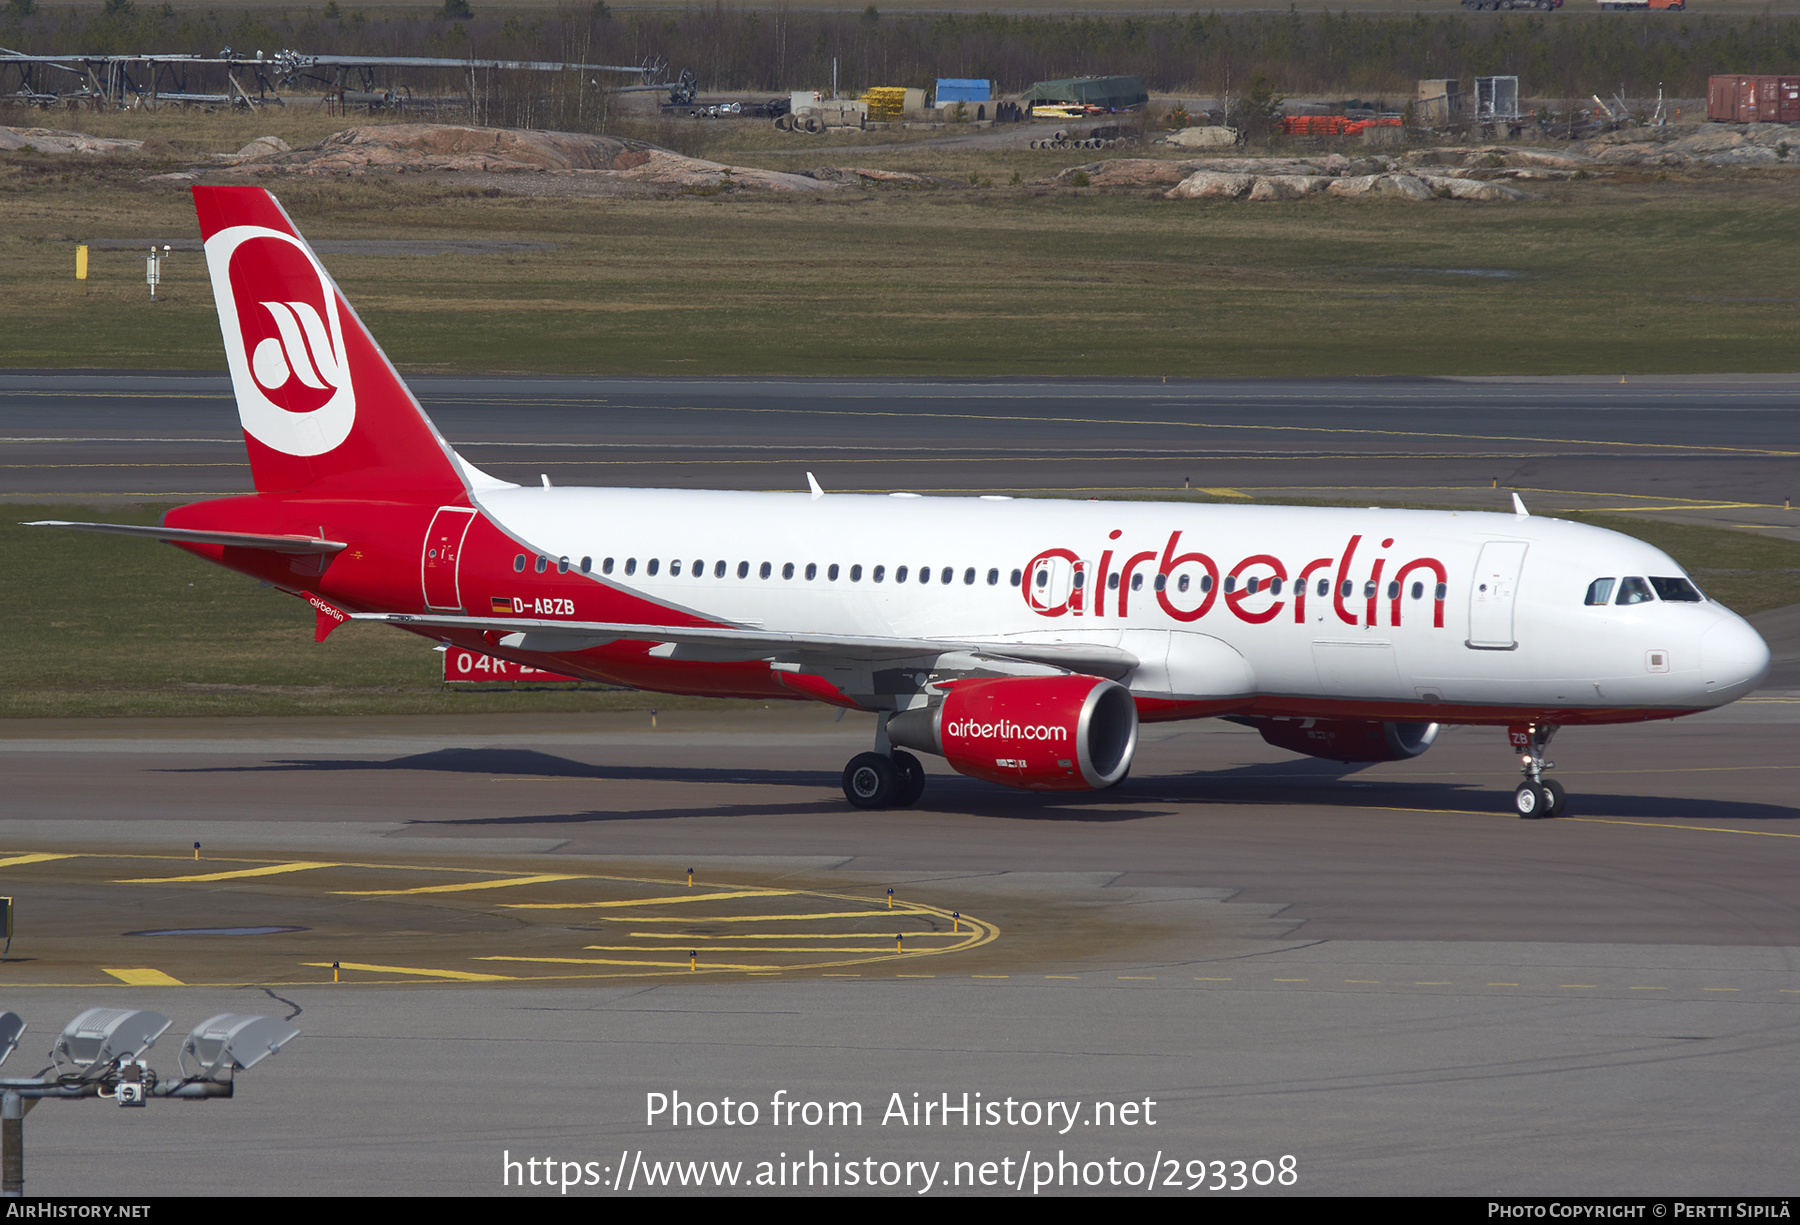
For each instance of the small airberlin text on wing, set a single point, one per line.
(965, 1109)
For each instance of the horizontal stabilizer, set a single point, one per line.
(241, 540)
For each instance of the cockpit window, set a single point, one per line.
(1676, 590)
(1600, 591)
(1634, 591)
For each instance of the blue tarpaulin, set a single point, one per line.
(963, 89)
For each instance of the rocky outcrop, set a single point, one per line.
(50, 140)
(449, 148)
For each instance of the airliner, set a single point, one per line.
(1024, 641)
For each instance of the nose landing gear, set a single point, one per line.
(1538, 796)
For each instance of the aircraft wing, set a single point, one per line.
(243, 540)
(552, 636)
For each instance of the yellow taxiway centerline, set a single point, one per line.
(459, 887)
(234, 874)
(653, 901)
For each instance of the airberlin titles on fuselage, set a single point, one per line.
(1256, 589)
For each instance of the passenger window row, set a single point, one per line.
(945, 576)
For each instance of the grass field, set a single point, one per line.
(1648, 275)
(106, 626)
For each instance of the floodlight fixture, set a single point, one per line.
(232, 1042)
(102, 1035)
(12, 1026)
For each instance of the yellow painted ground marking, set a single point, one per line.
(1212, 980)
(990, 976)
(144, 978)
(1579, 984)
(1225, 493)
(1062, 976)
(843, 976)
(38, 857)
(461, 976)
(234, 874)
(1138, 978)
(1721, 988)
(650, 901)
(915, 976)
(1434, 984)
(760, 918)
(740, 948)
(1649, 988)
(618, 961)
(1370, 982)
(462, 886)
(1292, 980)
(1703, 829)
(1503, 984)
(915, 935)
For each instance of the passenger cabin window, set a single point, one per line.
(718, 569)
(766, 570)
(519, 564)
(630, 565)
(743, 569)
(543, 563)
(587, 565)
(856, 574)
(606, 566)
(1600, 591)
(1018, 576)
(1676, 590)
(1634, 591)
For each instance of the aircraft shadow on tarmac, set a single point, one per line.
(1309, 782)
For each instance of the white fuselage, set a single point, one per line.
(1454, 610)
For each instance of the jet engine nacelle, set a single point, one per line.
(1041, 733)
(1349, 739)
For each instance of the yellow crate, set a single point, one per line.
(887, 104)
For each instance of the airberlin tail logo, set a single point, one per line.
(284, 340)
(301, 351)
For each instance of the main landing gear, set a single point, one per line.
(1538, 796)
(886, 778)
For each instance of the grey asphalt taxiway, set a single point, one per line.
(1349, 980)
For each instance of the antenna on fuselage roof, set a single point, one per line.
(1519, 508)
(813, 484)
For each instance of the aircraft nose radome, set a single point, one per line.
(1733, 658)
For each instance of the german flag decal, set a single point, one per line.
(500, 604)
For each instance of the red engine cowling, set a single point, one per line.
(1049, 733)
(1349, 739)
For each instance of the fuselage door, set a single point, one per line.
(1492, 594)
(442, 552)
(1050, 584)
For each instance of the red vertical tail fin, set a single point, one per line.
(323, 409)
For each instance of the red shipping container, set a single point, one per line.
(1760, 98)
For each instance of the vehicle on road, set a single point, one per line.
(1023, 640)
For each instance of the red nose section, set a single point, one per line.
(323, 409)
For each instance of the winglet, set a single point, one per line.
(1519, 508)
(813, 484)
(326, 616)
